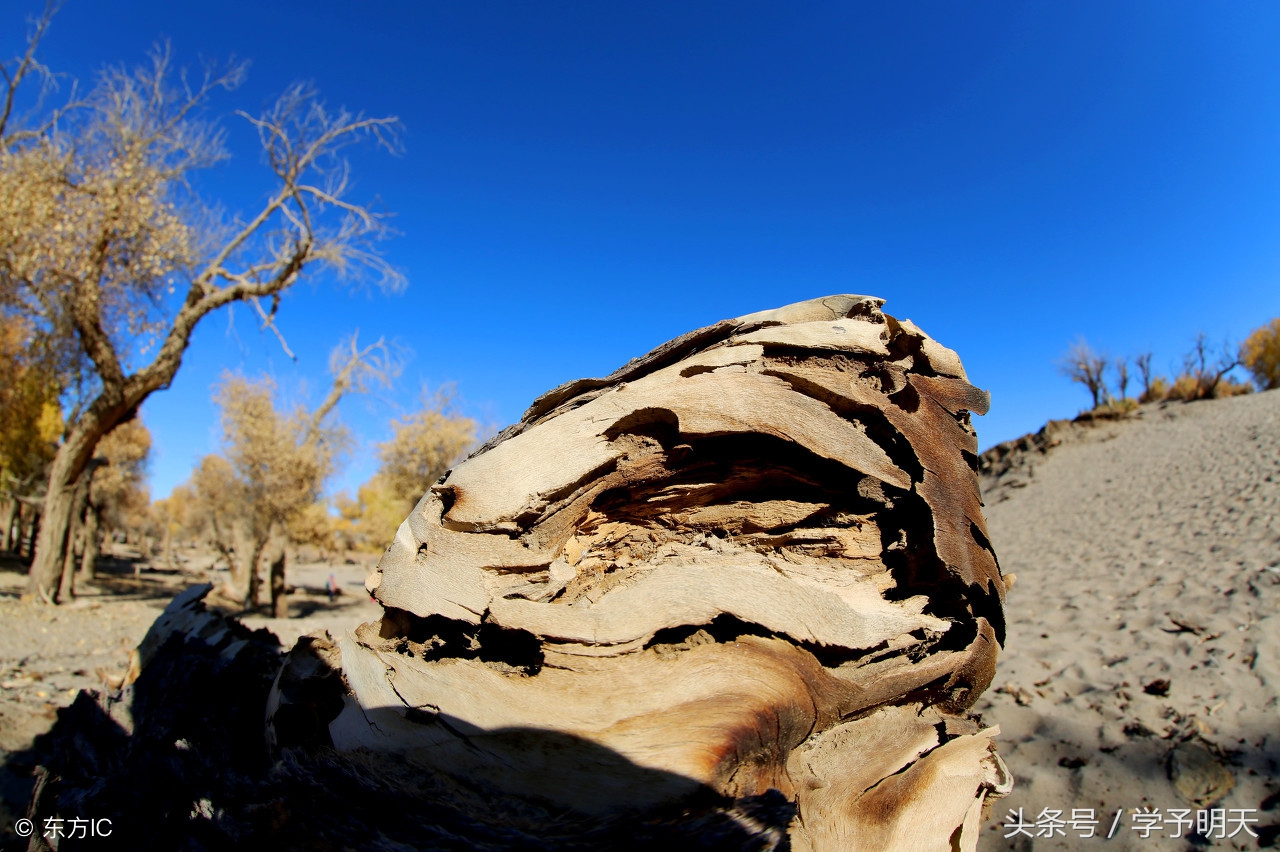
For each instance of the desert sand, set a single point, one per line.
(1142, 667)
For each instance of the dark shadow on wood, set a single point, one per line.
(179, 760)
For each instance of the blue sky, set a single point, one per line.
(582, 181)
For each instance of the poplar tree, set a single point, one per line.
(105, 243)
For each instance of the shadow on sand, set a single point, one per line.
(179, 760)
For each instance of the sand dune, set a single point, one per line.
(1142, 668)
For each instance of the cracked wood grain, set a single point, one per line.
(753, 559)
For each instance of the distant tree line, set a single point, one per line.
(264, 493)
(1206, 372)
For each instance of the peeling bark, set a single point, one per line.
(752, 560)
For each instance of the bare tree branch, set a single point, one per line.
(1206, 370)
(269, 321)
(1082, 364)
(355, 369)
(26, 64)
(1122, 377)
(1143, 363)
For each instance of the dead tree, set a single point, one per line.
(1143, 362)
(751, 560)
(1081, 364)
(1206, 373)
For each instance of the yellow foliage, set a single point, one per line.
(1260, 354)
(313, 525)
(101, 205)
(218, 498)
(50, 424)
(1187, 387)
(118, 487)
(178, 513)
(30, 417)
(369, 522)
(1184, 388)
(423, 446)
(1158, 391)
(1116, 408)
(281, 460)
(1230, 387)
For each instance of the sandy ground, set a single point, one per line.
(47, 654)
(1142, 668)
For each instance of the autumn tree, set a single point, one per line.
(422, 447)
(105, 243)
(1122, 378)
(1260, 354)
(277, 464)
(1154, 387)
(219, 514)
(30, 424)
(177, 518)
(280, 461)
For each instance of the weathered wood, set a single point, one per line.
(753, 560)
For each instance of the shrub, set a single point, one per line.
(1112, 409)
(1260, 354)
(1184, 388)
(1188, 387)
(1230, 387)
(1156, 390)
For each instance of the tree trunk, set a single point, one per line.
(92, 542)
(241, 545)
(68, 466)
(80, 498)
(33, 533)
(19, 525)
(7, 518)
(253, 595)
(275, 556)
(751, 563)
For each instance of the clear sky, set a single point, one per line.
(582, 181)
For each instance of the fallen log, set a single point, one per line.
(752, 560)
(737, 595)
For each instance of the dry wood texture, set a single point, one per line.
(753, 559)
